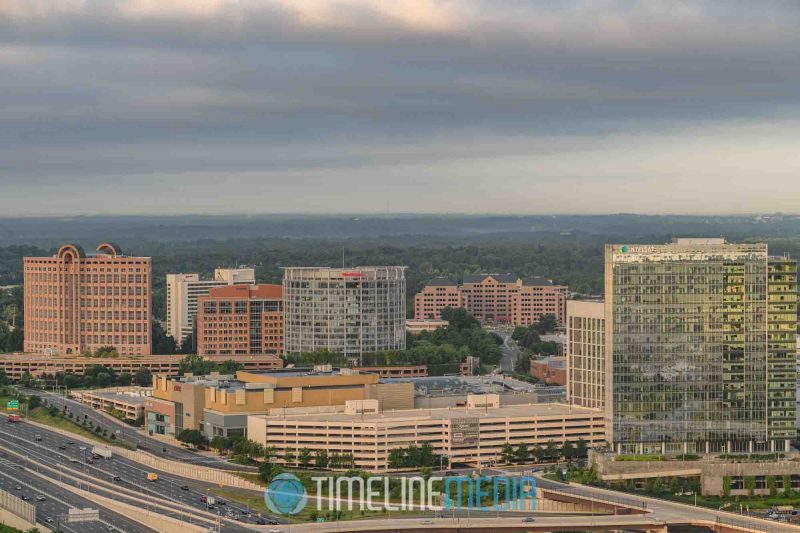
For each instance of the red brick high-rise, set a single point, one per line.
(77, 302)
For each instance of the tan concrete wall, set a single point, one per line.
(16, 512)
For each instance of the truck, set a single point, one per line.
(152, 476)
(101, 451)
(13, 419)
(210, 500)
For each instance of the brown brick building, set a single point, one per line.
(77, 302)
(241, 320)
(494, 298)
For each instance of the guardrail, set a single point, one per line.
(753, 524)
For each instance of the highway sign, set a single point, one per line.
(13, 404)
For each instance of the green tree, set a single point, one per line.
(143, 377)
(521, 454)
(197, 365)
(162, 344)
(507, 453)
(288, 456)
(230, 367)
(124, 379)
(193, 437)
(304, 457)
(321, 459)
(267, 471)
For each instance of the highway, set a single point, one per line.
(173, 491)
(57, 501)
(135, 435)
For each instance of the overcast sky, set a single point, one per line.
(504, 106)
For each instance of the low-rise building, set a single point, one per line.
(551, 370)
(126, 400)
(412, 371)
(471, 435)
(43, 366)
(220, 405)
(428, 324)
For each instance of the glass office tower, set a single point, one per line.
(696, 341)
(351, 311)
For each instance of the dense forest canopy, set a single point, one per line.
(567, 249)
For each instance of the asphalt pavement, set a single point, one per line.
(53, 502)
(170, 490)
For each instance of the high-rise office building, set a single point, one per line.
(241, 320)
(351, 311)
(183, 290)
(696, 355)
(585, 349)
(77, 302)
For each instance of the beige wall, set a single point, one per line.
(585, 351)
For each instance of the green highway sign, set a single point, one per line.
(13, 404)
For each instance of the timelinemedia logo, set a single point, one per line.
(287, 495)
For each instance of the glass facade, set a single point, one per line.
(687, 342)
(347, 311)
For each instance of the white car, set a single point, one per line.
(273, 530)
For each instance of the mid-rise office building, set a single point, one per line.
(494, 298)
(351, 311)
(219, 405)
(490, 296)
(241, 320)
(696, 348)
(77, 302)
(585, 349)
(438, 294)
(183, 291)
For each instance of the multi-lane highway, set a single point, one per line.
(117, 477)
(53, 502)
(133, 435)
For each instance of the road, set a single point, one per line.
(510, 351)
(170, 490)
(57, 501)
(134, 435)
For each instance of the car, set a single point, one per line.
(221, 502)
(48, 520)
(82, 448)
(185, 487)
(70, 443)
(40, 498)
(117, 478)
(17, 488)
(73, 460)
(89, 461)
(529, 519)
(62, 447)
(203, 499)
(427, 522)
(245, 512)
(273, 530)
(38, 438)
(261, 521)
(25, 498)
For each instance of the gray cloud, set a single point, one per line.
(293, 98)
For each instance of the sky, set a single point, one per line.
(362, 106)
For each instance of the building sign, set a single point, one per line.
(12, 405)
(352, 274)
(464, 431)
(176, 388)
